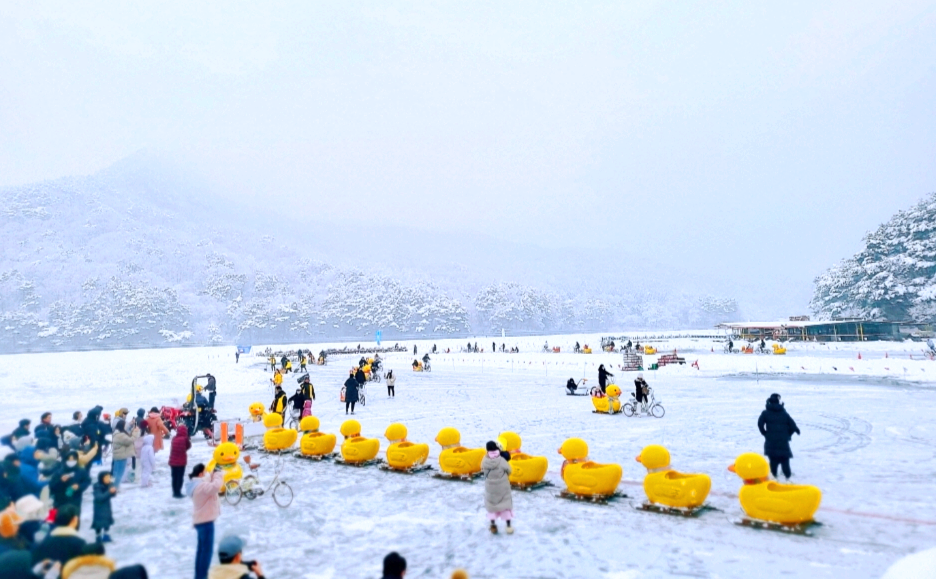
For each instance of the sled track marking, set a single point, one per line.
(847, 438)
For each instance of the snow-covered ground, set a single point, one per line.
(869, 442)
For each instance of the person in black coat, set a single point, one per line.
(69, 483)
(21, 431)
(103, 519)
(603, 377)
(394, 566)
(63, 544)
(91, 427)
(12, 481)
(212, 389)
(351, 393)
(45, 428)
(17, 565)
(298, 400)
(639, 385)
(777, 428)
(360, 377)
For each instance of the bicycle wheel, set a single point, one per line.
(362, 400)
(628, 410)
(232, 492)
(282, 494)
(657, 411)
(293, 424)
(249, 485)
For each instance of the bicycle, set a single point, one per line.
(250, 487)
(651, 405)
(294, 417)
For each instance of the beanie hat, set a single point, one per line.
(491, 445)
(140, 412)
(459, 574)
(775, 398)
(9, 524)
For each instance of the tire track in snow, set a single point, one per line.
(847, 438)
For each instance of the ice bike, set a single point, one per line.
(250, 487)
(651, 406)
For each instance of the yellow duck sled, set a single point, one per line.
(587, 480)
(455, 461)
(357, 450)
(315, 445)
(402, 455)
(772, 505)
(608, 402)
(669, 491)
(277, 439)
(527, 471)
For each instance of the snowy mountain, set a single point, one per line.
(145, 253)
(893, 277)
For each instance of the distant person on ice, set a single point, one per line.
(351, 393)
(932, 346)
(777, 428)
(603, 377)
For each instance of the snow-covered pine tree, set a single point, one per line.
(893, 278)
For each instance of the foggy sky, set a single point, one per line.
(738, 139)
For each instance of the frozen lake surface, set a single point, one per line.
(868, 441)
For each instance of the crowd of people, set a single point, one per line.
(46, 475)
(44, 465)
